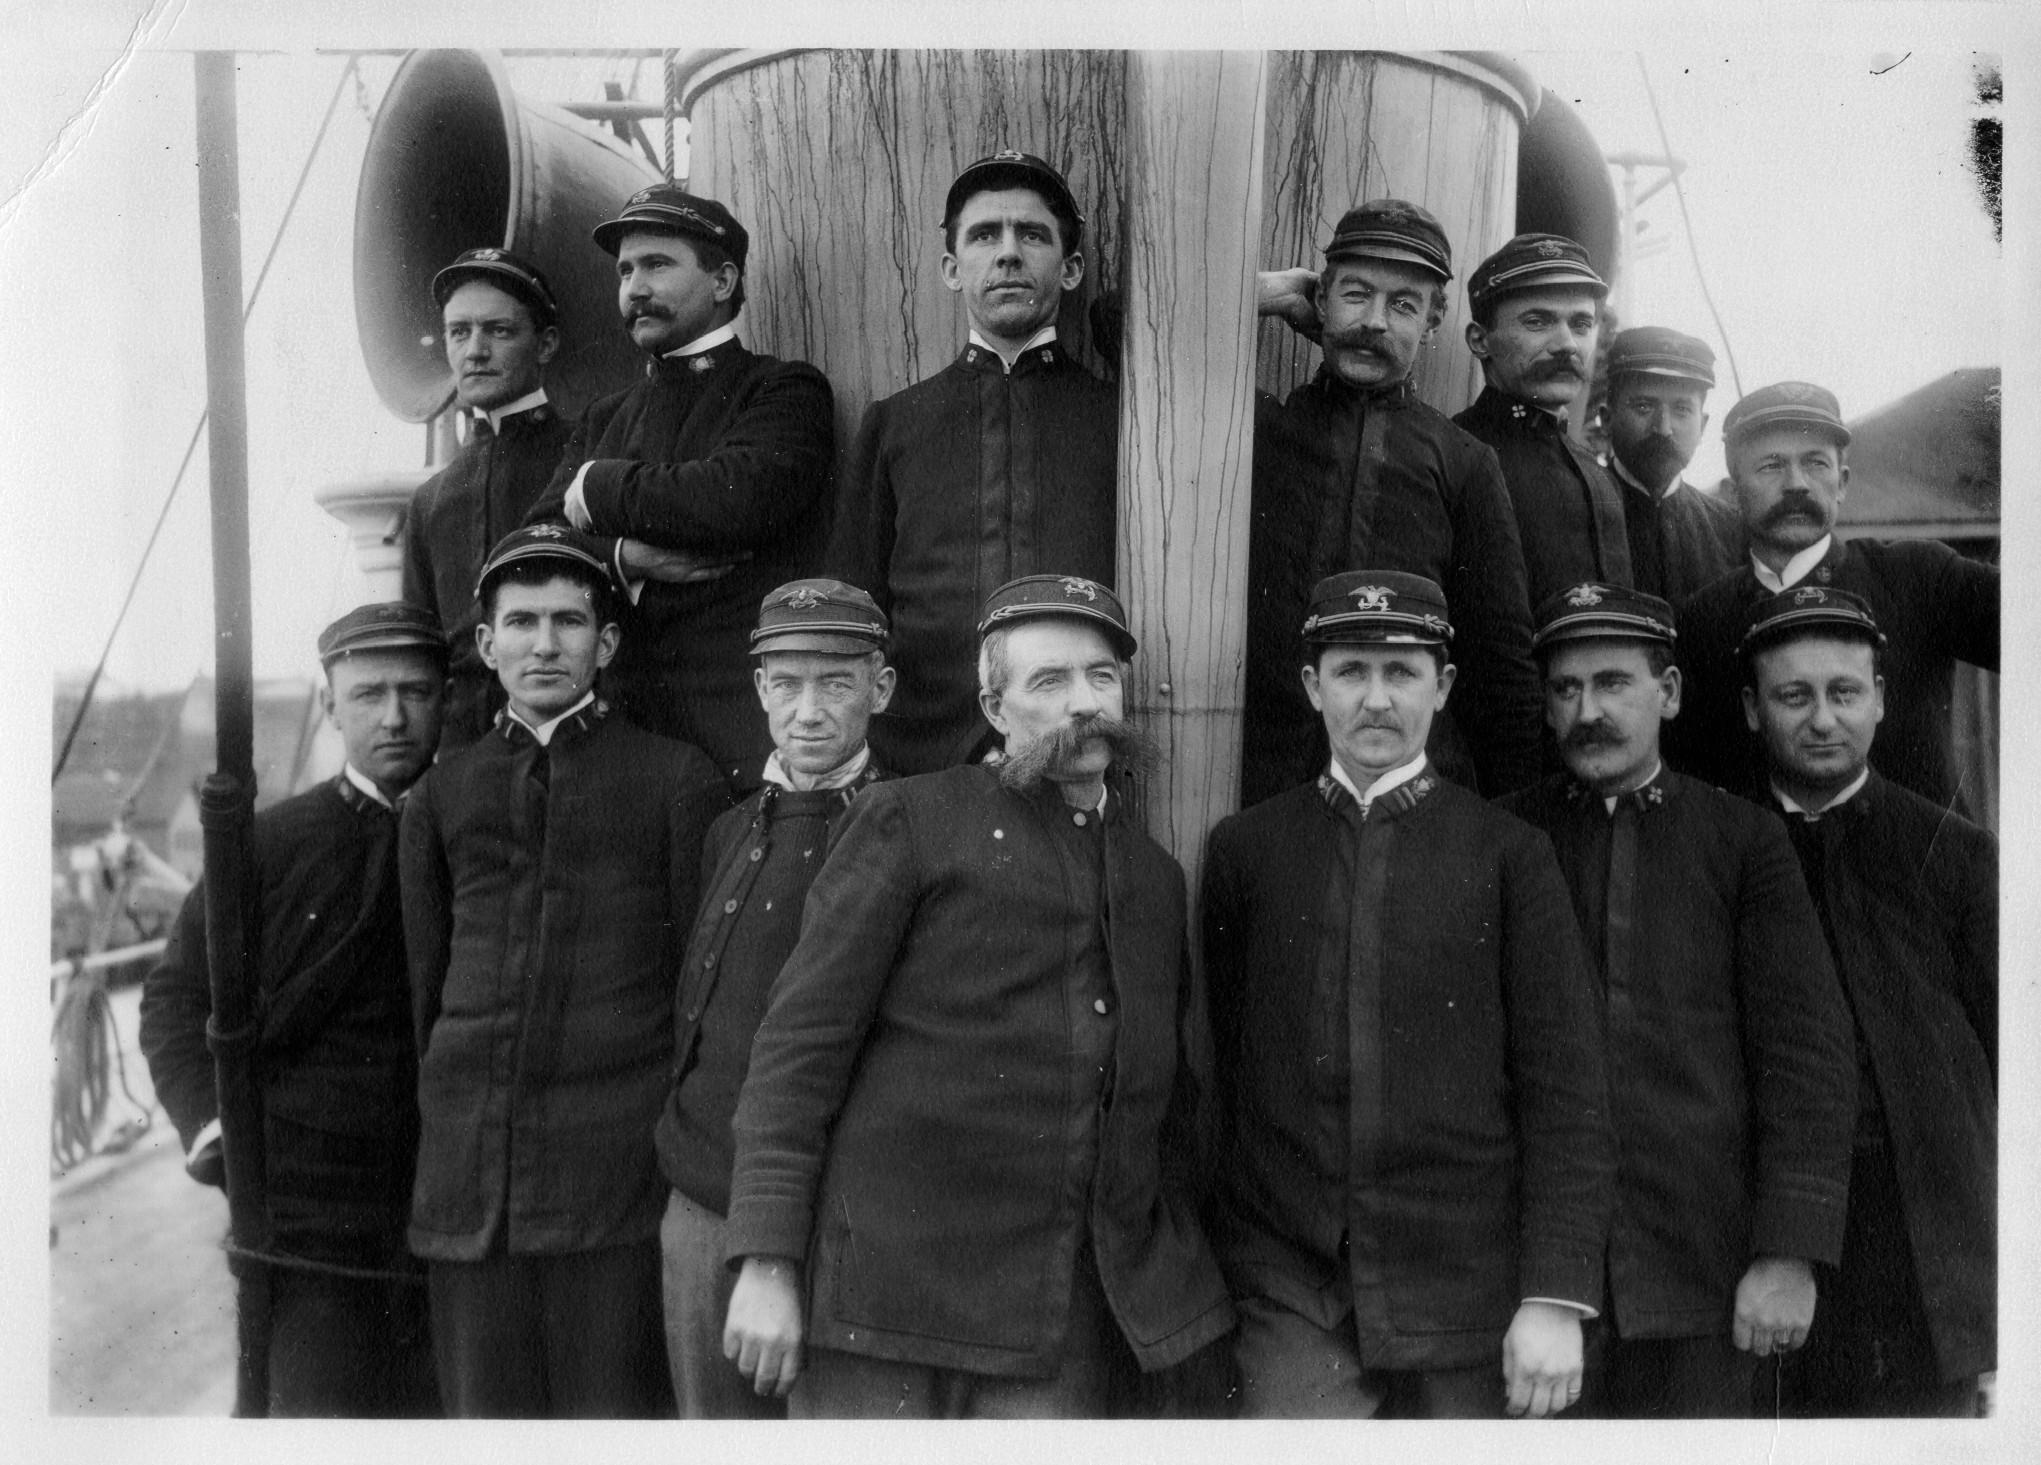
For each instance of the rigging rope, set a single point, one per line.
(1686, 219)
(92, 682)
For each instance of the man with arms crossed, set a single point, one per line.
(1416, 1173)
(1729, 1063)
(965, 1180)
(1908, 895)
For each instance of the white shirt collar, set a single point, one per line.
(367, 785)
(1792, 805)
(1040, 338)
(727, 331)
(1609, 802)
(510, 409)
(544, 731)
(1392, 779)
(1797, 568)
(1623, 472)
(842, 776)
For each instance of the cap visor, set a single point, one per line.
(823, 642)
(1336, 250)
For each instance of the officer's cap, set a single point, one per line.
(544, 541)
(1010, 168)
(819, 615)
(1594, 611)
(1036, 597)
(1386, 606)
(390, 625)
(1532, 262)
(1808, 610)
(1787, 404)
(1657, 351)
(1389, 228)
(501, 268)
(667, 208)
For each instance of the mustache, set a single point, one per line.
(1592, 735)
(647, 310)
(1793, 506)
(1566, 365)
(1356, 338)
(1033, 764)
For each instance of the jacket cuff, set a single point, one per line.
(1553, 1272)
(765, 1228)
(597, 484)
(1806, 1223)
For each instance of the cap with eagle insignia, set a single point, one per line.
(1595, 611)
(1390, 228)
(1658, 351)
(1377, 606)
(501, 268)
(1809, 610)
(1011, 168)
(1787, 404)
(828, 616)
(667, 208)
(1533, 262)
(544, 541)
(389, 625)
(1036, 597)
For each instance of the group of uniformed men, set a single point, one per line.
(1662, 1086)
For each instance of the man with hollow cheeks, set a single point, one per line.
(965, 1175)
(1416, 1164)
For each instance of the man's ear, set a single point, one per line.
(326, 700)
(485, 643)
(549, 344)
(1671, 684)
(1447, 672)
(988, 703)
(607, 640)
(883, 682)
(1310, 674)
(1073, 272)
(727, 277)
(1477, 339)
(951, 279)
(1750, 708)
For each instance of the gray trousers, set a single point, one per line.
(697, 1284)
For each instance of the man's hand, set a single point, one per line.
(642, 561)
(1541, 1359)
(1774, 1305)
(762, 1333)
(1288, 293)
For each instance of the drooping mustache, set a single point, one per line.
(647, 310)
(1556, 367)
(1028, 767)
(1592, 735)
(1792, 506)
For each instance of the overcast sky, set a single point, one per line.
(1820, 194)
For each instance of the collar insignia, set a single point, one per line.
(1584, 595)
(1074, 587)
(1371, 597)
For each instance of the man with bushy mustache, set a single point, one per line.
(964, 1171)
(710, 482)
(1730, 1070)
(1355, 468)
(1536, 306)
(1786, 448)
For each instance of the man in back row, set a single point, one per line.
(710, 481)
(998, 466)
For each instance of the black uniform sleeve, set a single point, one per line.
(177, 1001)
(1963, 609)
(427, 890)
(861, 545)
(768, 470)
(1224, 922)
(1490, 600)
(1799, 1053)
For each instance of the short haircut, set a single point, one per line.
(1070, 230)
(1437, 649)
(711, 256)
(543, 570)
(1812, 633)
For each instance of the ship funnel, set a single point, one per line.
(457, 160)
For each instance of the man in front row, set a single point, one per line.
(1908, 895)
(1416, 1182)
(549, 873)
(821, 675)
(338, 1072)
(1729, 1057)
(964, 1177)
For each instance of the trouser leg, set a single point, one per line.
(1291, 1368)
(697, 1286)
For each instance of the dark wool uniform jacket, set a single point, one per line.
(1679, 541)
(335, 1062)
(968, 479)
(1346, 480)
(759, 861)
(1569, 514)
(1935, 608)
(722, 453)
(920, 1122)
(455, 519)
(1467, 1162)
(1909, 894)
(545, 923)
(1731, 1079)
